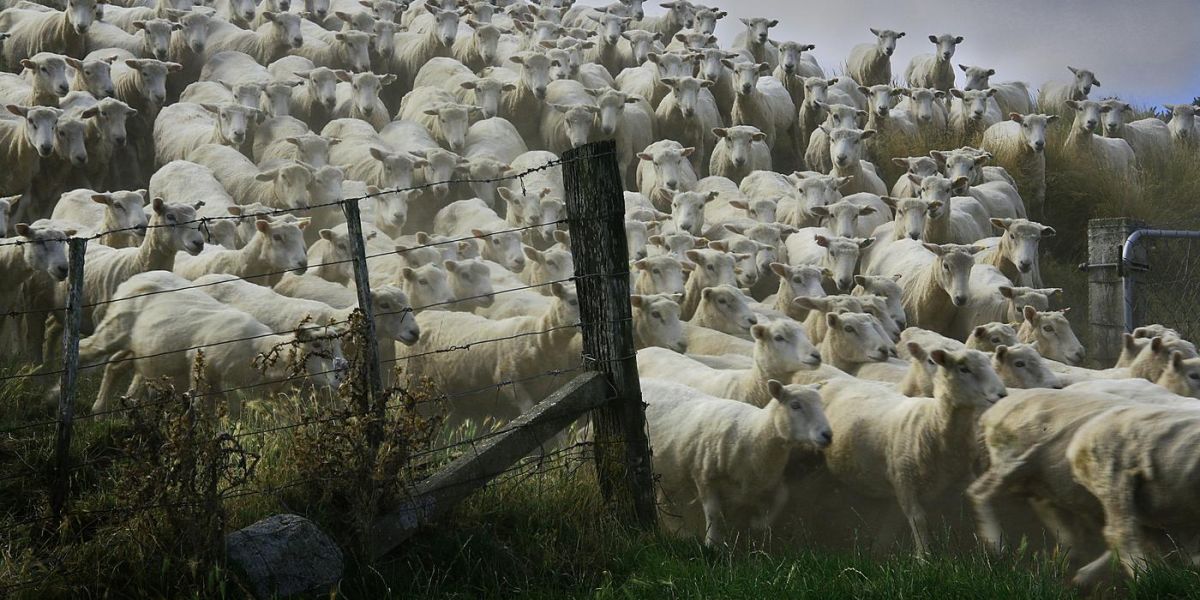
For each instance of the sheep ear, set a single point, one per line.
(1001, 352)
(101, 199)
(1177, 360)
(1006, 291)
(1048, 231)
(636, 300)
(1156, 344)
(158, 205)
(775, 388)
(262, 225)
(1030, 313)
(532, 253)
(758, 332)
(941, 358)
(22, 229)
(831, 319)
(916, 351)
(779, 269)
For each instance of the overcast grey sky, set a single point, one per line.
(1145, 51)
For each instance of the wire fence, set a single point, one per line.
(1163, 280)
(293, 367)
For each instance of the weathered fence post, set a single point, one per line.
(596, 214)
(76, 248)
(370, 348)
(1106, 291)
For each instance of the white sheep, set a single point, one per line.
(1016, 252)
(845, 149)
(724, 308)
(314, 100)
(934, 70)
(120, 214)
(819, 247)
(435, 38)
(752, 42)
(1011, 96)
(935, 280)
(367, 158)
(289, 138)
(837, 116)
(1053, 95)
(796, 65)
(277, 248)
(358, 98)
(871, 64)
(283, 186)
(279, 34)
(1019, 145)
(42, 82)
(664, 169)
(33, 31)
(658, 275)
(1150, 138)
(954, 219)
(474, 218)
(973, 111)
(1183, 123)
(656, 321)
(26, 141)
(1050, 332)
(1114, 153)
(700, 463)
(181, 127)
(713, 268)
(690, 114)
(762, 102)
(923, 107)
(877, 451)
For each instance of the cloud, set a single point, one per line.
(1144, 52)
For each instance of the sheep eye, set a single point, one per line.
(779, 338)
(655, 271)
(656, 315)
(423, 282)
(946, 267)
(964, 370)
(995, 340)
(721, 302)
(277, 238)
(1193, 375)
(1048, 329)
(797, 406)
(1020, 364)
(119, 208)
(573, 302)
(708, 267)
(849, 329)
(497, 242)
(170, 218)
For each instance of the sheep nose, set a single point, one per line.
(960, 300)
(844, 284)
(889, 51)
(159, 98)
(160, 54)
(1024, 266)
(1003, 394)
(109, 92)
(672, 184)
(826, 437)
(1057, 386)
(815, 356)
(689, 112)
(746, 89)
(297, 42)
(914, 236)
(762, 38)
(62, 90)
(1091, 124)
(367, 110)
(60, 272)
(321, 13)
(540, 92)
(45, 149)
(1039, 146)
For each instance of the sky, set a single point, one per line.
(1143, 51)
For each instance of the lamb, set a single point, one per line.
(183, 126)
(656, 321)
(365, 158)
(934, 70)
(910, 187)
(568, 123)
(924, 108)
(659, 275)
(690, 113)
(817, 246)
(935, 280)
(780, 349)
(688, 449)
(446, 119)
(752, 42)
(279, 34)
(845, 148)
(32, 31)
(314, 100)
(837, 116)
(724, 308)
(871, 64)
(973, 111)
(153, 325)
(875, 453)
(1054, 95)
(394, 320)
(120, 214)
(1016, 252)
(1019, 146)
(416, 46)
(474, 218)
(524, 346)
(26, 141)
(663, 170)
(1011, 96)
(713, 268)
(1149, 138)
(278, 248)
(1113, 153)
(288, 138)
(358, 98)
(42, 82)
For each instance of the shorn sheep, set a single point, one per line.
(871, 64)
(934, 70)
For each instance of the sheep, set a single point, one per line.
(454, 77)
(989, 336)
(314, 100)
(277, 248)
(419, 44)
(713, 268)
(663, 170)
(474, 218)
(875, 453)
(1053, 95)
(724, 308)
(394, 320)
(238, 69)
(1016, 252)
(844, 218)
(31, 31)
(852, 340)
(679, 13)
(659, 275)
(180, 127)
(780, 349)
(42, 83)
(699, 463)
(121, 215)
(935, 279)
(1113, 153)
(105, 133)
(37, 248)
(366, 158)
(142, 84)
(812, 109)
(477, 50)
(845, 148)
(952, 219)
(1150, 138)
(568, 122)
(523, 106)
(762, 102)
(817, 246)
(796, 66)
(94, 76)
(845, 90)
(672, 244)
(935, 70)
(1019, 145)
(524, 346)
(438, 110)
(752, 42)
(690, 114)
(151, 38)
(871, 64)
(1182, 376)
(646, 81)
(1183, 123)
(1050, 332)
(288, 138)
(991, 186)
(1011, 96)
(656, 321)
(152, 325)
(794, 282)
(358, 98)
(881, 116)
(237, 12)
(278, 35)
(26, 141)
(993, 297)
(837, 116)
(524, 210)
(924, 108)
(187, 183)
(1155, 358)
(340, 50)
(212, 92)
(972, 111)
(284, 186)
(910, 187)
(887, 289)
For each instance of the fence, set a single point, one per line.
(603, 382)
(1138, 276)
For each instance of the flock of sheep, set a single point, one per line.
(796, 317)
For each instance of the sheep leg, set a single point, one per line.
(762, 522)
(1094, 573)
(1061, 523)
(885, 537)
(51, 342)
(714, 518)
(1121, 529)
(109, 380)
(986, 490)
(917, 522)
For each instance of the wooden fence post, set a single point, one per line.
(376, 399)
(1106, 292)
(76, 248)
(596, 215)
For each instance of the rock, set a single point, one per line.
(284, 556)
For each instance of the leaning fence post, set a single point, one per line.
(76, 248)
(1106, 290)
(362, 284)
(596, 209)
